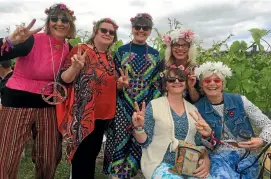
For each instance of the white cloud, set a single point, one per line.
(213, 20)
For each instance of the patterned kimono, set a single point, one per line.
(122, 153)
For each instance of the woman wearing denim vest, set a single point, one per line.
(232, 118)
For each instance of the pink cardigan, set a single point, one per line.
(34, 71)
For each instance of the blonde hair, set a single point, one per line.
(170, 59)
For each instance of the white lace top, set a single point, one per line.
(257, 119)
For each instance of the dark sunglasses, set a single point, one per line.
(173, 79)
(139, 27)
(111, 32)
(63, 19)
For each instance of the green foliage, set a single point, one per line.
(250, 66)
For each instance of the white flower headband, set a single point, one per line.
(187, 34)
(215, 67)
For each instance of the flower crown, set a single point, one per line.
(107, 20)
(62, 7)
(187, 34)
(215, 67)
(145, 15)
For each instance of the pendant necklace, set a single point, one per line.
(59, 93)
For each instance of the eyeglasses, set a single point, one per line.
(111, 32)
(173, 79)
(184, 46)
(139, 27)
(216, 80)
(63, 19)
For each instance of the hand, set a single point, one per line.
(78, 60)
(138, 117)
(123, 80)
(1, 107)
(22, 33)
(191, 81)
(202, 127)
(203, 170)
(253, 144)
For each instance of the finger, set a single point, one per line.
(79, 51)
(201, 173)
(193, 115)
(245, 143)
(30, 25)
(199, 116)
(137, 107)
(121, 72)
(143, 107)
(21, 31)
(85, 53)
(199, 128)
(35, 31)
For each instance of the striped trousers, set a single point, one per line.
(16, 125)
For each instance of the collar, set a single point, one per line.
(228, 103)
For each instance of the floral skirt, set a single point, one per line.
(223, 165)
(161, 172)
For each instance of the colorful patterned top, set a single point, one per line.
(91, 96)
(122, 153)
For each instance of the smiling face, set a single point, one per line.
(180, 50)
(212, 85)
(105, 34)
(141, 32)
(59, 26)
(175, 82)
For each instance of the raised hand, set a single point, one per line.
(138, 117)
(191, 81)
(202, 127)
(79, 59)
(123, 80)
(22, 33)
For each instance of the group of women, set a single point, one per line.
(142, 103)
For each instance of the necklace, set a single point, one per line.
(59, 93)
(137, 81)
(108, 69)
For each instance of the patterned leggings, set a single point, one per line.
(16, 125)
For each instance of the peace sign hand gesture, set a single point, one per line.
(123, 80)
(138, 117)
(202, 127)
(78, 60)
(22, 33)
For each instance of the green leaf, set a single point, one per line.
(232, 84)
(243, 45)
(235, 47)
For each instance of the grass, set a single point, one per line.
(27, 168)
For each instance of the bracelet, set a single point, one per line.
(139, 130)
(9, 42)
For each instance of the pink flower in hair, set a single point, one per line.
(132, 19)
(166, 39)
(188, 35)
(181, 67)
(63, 6)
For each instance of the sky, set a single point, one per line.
(212, 20)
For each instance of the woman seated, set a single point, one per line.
(167, 120)
(232, 118)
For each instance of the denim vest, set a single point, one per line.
(235, 117)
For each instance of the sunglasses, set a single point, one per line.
(144, 28)
(184, 46)
(63, 19)
(216, 80)
(173, 79)
(111, 32)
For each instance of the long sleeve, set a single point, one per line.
(22, 49)
(258, 119)
(148, 125)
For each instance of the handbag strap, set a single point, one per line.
(241, 172)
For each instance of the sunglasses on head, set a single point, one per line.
(216, 80)
(173, 79)
(111, 32)
(144, 28)
(63, 19)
